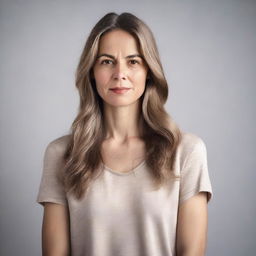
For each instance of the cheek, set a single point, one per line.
(101, 77)
(139, 78)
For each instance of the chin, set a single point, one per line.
(122, 102)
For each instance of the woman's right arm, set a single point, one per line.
(55, 230)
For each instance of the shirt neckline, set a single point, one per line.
(135, 169)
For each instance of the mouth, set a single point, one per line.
(120, 90)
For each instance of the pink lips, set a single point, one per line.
(120, 90)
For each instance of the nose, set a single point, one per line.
(119, 71)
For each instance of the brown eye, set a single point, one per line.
(134, 62)
(105, 61)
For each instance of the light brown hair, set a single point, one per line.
(83, 161)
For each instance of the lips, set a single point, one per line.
(119, 88)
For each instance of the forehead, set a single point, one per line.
(118, 41)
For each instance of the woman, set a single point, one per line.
(126, 180)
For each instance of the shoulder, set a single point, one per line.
(59, 144)
(189, 143)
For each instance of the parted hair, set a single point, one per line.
(83, 160)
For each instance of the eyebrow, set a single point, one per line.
(112, 57)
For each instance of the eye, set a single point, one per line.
(105, 61)
(134, 62)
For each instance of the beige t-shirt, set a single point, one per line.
(122, 215)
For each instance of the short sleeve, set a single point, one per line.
(51, 189)
(194, 174)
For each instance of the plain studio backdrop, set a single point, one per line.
(208, 51)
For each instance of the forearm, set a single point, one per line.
(53, 250)
(191, 252)
(55, 253)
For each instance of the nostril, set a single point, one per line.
(119, 76)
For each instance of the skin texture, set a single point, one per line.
(192, 226)
(55, 230)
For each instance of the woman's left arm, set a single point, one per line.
(191, 236)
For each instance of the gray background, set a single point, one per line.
(208, 50)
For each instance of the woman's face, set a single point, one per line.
(119, 65)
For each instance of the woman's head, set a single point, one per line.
(108, 34)
(119, 64)
(119, 36)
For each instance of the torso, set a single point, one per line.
(123, 157)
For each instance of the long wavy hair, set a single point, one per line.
(83, 160)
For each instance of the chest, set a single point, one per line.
(122, 197)
(123, 157)
(127, 214)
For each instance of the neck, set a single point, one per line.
(123, 122)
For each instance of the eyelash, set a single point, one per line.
(102, 62)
